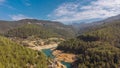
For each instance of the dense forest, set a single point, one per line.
(36, 30)
(98, 48)
(12, 55)
(31, 30)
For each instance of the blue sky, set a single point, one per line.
(31, 8)
(65, 11)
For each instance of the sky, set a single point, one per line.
(65, 11)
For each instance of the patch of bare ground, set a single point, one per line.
(66, 57)
(44, 47)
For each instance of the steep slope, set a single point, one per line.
(16, 56)
(98, 48)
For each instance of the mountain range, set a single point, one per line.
(84, 27)
(55, 27)
(67, 31)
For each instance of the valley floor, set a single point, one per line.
(59, 55)
(39, 48)
(40, 45)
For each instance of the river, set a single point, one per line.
(48, 53)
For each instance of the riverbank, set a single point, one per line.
(66, 57)
(53, 63)
(48, 46)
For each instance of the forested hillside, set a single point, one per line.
(13, 55)
(31, 30)
(98, 48)
(65, 31)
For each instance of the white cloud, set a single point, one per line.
(19, 17)
(27, 4)
(4, 5)
(71, 12)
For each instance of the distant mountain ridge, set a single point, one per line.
(84, 27)
(56, 27)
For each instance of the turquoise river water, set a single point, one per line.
(48, 53)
